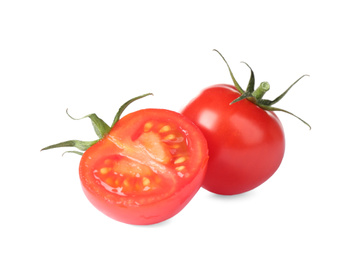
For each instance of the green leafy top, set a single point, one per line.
(256, 95)
(100, 127)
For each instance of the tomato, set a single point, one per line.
(245, 138)
(246, 143)
(146, 168)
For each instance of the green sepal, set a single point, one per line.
(264, 102)
(75, 152)
(81, 145)
(237, 85)
(269, 108)
(246, 95)
(100, 127)
(124, 106)
(255, 96)
(286, 91)
(251, 84)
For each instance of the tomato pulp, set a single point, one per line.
(147, 168)
(246, 143)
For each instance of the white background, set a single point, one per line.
(91, 56)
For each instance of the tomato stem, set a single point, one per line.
(261, 90)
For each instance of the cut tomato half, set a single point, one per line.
(147, 168)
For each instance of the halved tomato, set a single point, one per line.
(146, 168)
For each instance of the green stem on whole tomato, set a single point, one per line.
(261, 90)
(256, 96)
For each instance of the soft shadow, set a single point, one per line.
(156, 225)
(245, 195)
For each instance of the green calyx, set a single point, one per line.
(256, 95)
(100, 127)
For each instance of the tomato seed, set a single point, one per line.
(105, 170)
(170, 137)
(164, 129)
(148, 126)
(146, 181)
(180, 160)
(180, 168)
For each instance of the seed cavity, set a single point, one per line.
(143, 164)
(157, 179)
(109, 181)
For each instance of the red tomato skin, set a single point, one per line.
(246, 143)
(157, 211)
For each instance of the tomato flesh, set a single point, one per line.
(246, 143)
(147, 168)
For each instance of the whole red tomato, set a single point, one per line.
(145, 168)
(246, 143)
(245, 138)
